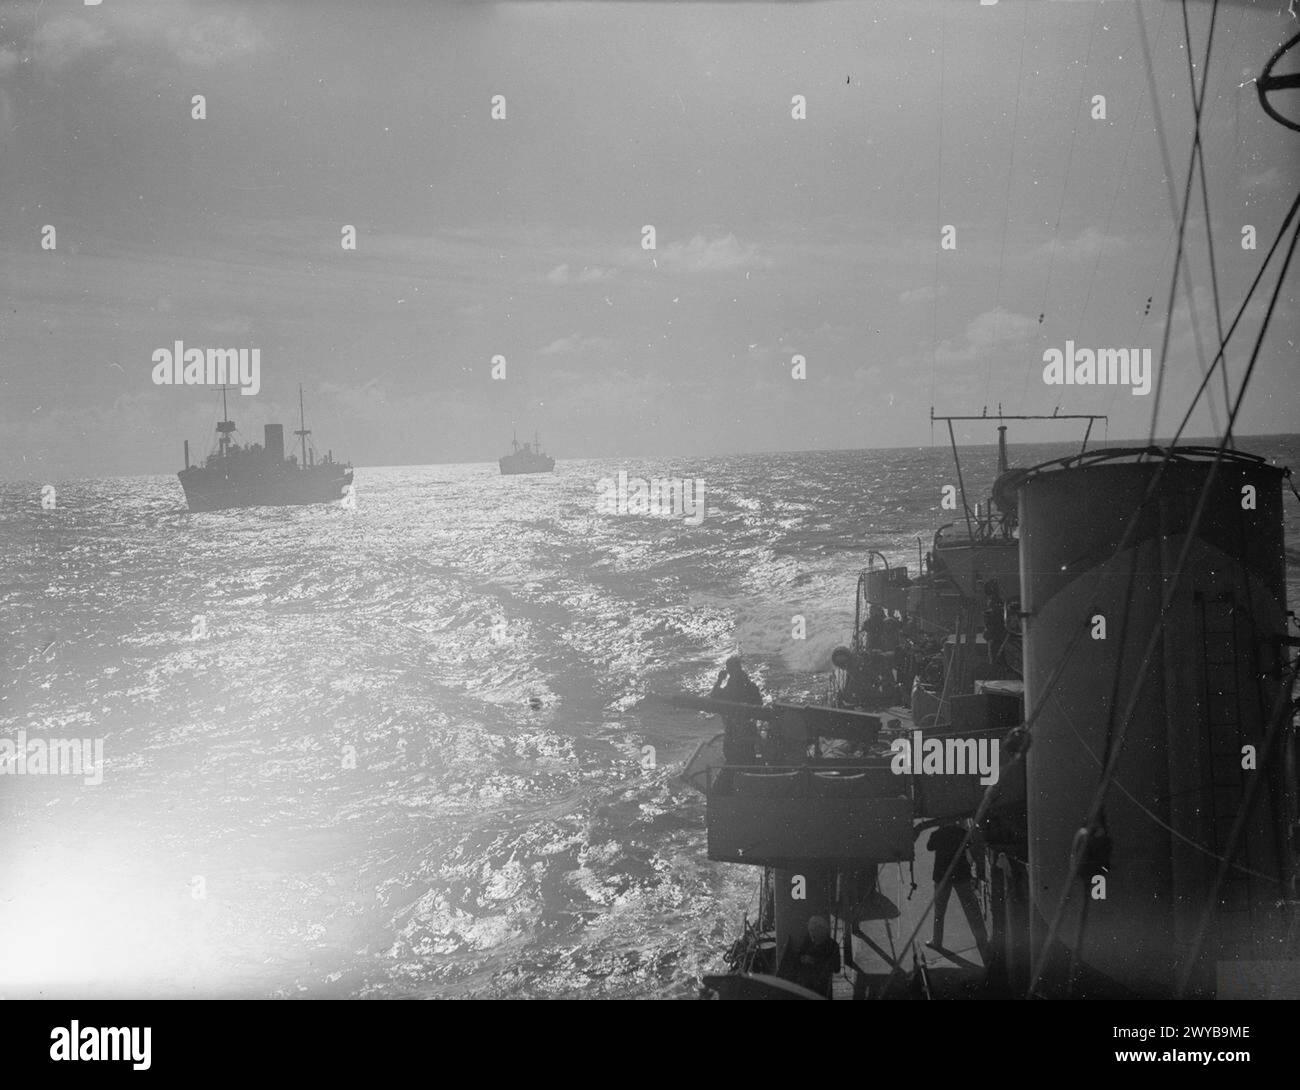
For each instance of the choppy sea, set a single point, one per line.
(400, 750)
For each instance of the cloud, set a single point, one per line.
(1089, 243)
(588, 274)
(575, 342)
(925, 294)
(987, 334)
(213, 40)
(60, 42)
(559, 347)
(179, 33)
(702, 255)
(1265, 179)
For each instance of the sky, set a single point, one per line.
(522, 237)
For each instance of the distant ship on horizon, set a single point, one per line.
(527, 458)
(260, 475)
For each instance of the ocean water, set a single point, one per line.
(406, 754)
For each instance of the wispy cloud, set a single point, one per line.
(575, 342)
(708, 255)
(179, 34)
(1262, 179)
(587, 274)
(213, 39)
(61, 42)
(1088, 243)
(993, 332)
(924, 294)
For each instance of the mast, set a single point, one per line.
(1002, 446)
(1090, 417)
(226, 426)
(302, 431)
(514, 439)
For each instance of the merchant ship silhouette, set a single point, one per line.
(256, 475)
(527, 458)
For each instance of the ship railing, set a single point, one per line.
(827, 778)
(986, 524)
(708, 778)
(934, 795)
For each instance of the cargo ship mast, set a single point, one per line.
(303, 431)
(226, 426)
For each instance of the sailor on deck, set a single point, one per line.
(873, 628)
(816, 960)
(736, 686)
(946, 843)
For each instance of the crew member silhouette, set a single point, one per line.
(734, 685)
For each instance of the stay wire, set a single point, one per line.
(1241, 313)
(1186, 201)
(1153, 817)
(1199, 148)
(938, 219)
(1065, 188)
(1011, 173)
(1284, 708)
(1119, 186)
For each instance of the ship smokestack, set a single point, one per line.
(1002, 448)
(187, 454)
(274, 443)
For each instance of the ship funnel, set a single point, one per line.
(1201, 583)
(274, 442)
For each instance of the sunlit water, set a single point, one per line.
(408, 757)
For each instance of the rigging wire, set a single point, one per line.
(1241, 312)
(1186, 201)
(938, 219)
(1119, 185)
(1151, 815)
(1277, 722)
(1065, 189)
(1011, 173)
(1141, 324)
(1235, 38)
(1198, 103)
